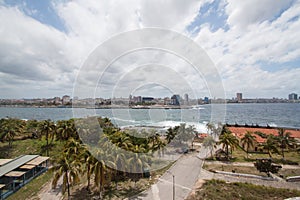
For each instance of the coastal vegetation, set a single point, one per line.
(277, 146)
(103, 157)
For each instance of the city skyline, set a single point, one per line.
(239, 97)
(45, 43)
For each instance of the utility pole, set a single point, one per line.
(173, 178)
(173, 186)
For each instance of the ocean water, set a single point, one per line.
(281, 115)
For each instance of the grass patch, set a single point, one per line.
(219, 190)
(249, 170)
(237, 169)
(32, 188)
(29, 146)
(241, 156)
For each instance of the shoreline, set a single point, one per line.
(166, 107)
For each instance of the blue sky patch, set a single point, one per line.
(40, 10)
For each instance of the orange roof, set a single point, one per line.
(241, 131)
(202, 135)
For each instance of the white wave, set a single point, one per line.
(123, 120)
(272, 124)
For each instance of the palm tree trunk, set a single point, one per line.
(88, 177)
(101, 182)
(68, 185)
(47, 144)
(227, 152)
(282, 153)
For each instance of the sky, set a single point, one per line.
(254, 46)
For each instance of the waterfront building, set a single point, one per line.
(239, 97)
(175, 99)
(147, 99)
(66, 99)
(186, 99)
(293, 96)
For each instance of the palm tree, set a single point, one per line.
(210, 127)
(89, 161)
(248, 141)
(210, 143)
(137, 163)
(191, 130)
(228, 140)
(100, 168)
(170, 135)
(67, 167)
(270, 145)
(47, 128)
(284, 139)
(10, 128)
(184, 134)
(65, 130)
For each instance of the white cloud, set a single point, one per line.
(240, 55)
(246, 12)
(40, 57)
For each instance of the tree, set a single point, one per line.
(191, 130)
(210, 143)
(65, 130)
(270, 145)
(248, 141)
(210, 128)
(89, 161)
(9, 129)
(284, 139)
(100, 168)
(47, 128)
(183, 134)
(170, 135)
(265, 165)
(228, 140)
(68, 167)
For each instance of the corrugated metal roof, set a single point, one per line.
(4, 161)
(10, 166)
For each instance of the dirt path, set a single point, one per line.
(47, 193)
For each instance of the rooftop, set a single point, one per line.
(241, 131)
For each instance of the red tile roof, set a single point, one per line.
(202, 135)
(241, 131)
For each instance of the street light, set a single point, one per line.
(173, 177)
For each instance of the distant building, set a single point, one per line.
(239, 97)
(293, 96)
(137, 99)
(206, 100)
(57, 100)
(175, 99)
(66, 99)
(186, 99)
(147, 99)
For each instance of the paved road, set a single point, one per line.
(186, 172)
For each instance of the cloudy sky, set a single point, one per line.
(254, 45)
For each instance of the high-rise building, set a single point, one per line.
(186, 99)
(239, 97)
(175, 99)
(293, 96)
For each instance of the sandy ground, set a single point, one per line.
(47, 193)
